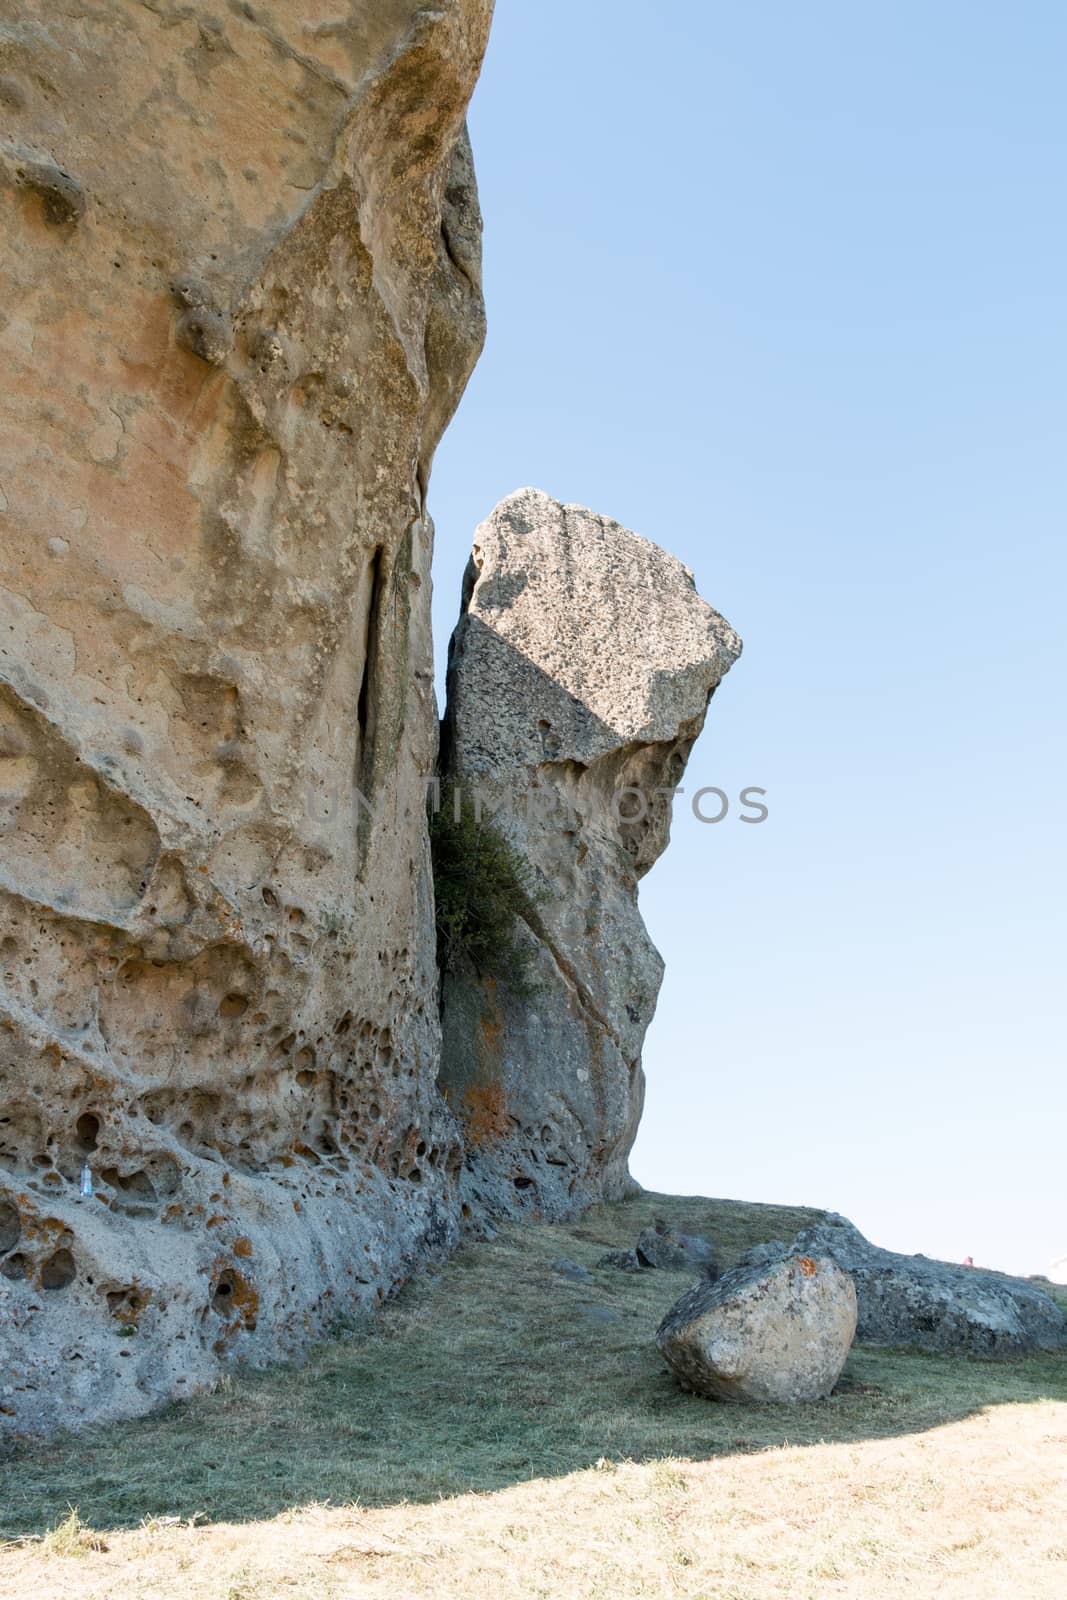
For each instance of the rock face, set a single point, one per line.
(240, 299)
(912, 1300)
(579, 678)
(778, 1332)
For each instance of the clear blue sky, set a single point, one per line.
(784, 288)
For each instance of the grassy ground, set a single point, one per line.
(503, 1431)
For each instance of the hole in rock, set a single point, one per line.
(233, 1005)
(138, 1184)
(58, 1271)
(87, 1129)
(15, 1267)
(10, 1226)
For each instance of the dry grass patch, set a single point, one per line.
(502, 1430)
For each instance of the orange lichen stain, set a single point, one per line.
(484, 1112)
(171, 1212)
(226, 913)
(234, 1298)
(806, 1265)
(213, 1222)
(242, 1247)
(490, 1039)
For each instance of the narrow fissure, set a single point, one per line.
(366, 705)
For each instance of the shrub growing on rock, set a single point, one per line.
(484, 889)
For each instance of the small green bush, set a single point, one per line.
(483, 886)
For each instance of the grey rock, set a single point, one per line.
(934, 1304)
(673, 1251)
(761, 1254)
(595, 1313)
(219, 985)
(572, 1270)
(770, 1332)
(621, 1261)
(581, 668)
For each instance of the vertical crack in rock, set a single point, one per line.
(579, 678)
(240, 301)
(366, 705)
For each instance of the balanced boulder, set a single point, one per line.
(778, 1332)
(578, 681)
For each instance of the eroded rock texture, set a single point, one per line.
(579, 678)
(239, 299)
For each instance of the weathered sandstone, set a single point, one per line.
(579, 678)
(239, 299)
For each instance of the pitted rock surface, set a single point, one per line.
(581, 668)
(239, 299)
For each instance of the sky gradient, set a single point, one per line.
(783, 289)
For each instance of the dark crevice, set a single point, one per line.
(366, 705)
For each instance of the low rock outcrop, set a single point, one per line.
(579, 678)
(239, 299)
(778, 1331)
(913, 1300)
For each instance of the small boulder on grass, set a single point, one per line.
(621, 1261)
(571, 1269)
(768, 1332)
(673, 1251)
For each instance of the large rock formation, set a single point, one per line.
(240, 299)
(935, 1304)
(579, 677)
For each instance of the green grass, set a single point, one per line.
(485, 1373)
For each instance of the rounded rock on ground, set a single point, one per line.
(764, 1333)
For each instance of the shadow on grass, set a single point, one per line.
(489, 1371)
